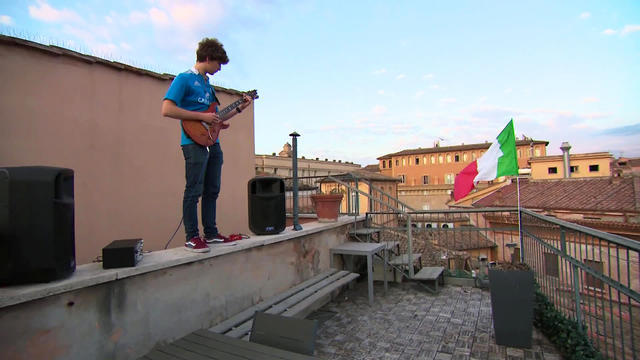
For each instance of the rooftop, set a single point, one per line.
(580, 194)
(410, 323)
(462, 147)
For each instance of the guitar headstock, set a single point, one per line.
(252, 94)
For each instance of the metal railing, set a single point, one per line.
(590, 276)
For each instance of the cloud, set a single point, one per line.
(380, 71)
(585, 15)
(158, 17)
(401, 76)
(448, 100)
(590, 100)
(6, 20)
(628, 29)
(419, 94)
(623, 130)
(379, 110)
(47, 13)
(427, 76)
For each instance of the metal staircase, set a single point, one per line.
(398, 240)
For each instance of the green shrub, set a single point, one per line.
(567, 335)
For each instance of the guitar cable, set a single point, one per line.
(174, 233)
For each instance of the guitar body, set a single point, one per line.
(201, 132)
(204, 134)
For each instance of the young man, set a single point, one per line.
(188, 96)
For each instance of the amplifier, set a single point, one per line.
(122, 253)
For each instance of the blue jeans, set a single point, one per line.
(203, 173)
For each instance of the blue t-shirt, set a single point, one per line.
(191, 91)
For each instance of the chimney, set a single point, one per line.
(565, 147)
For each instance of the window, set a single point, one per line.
(384, 164)
(464, 157)
(473, 155)
(573, 169)
(397, 162)
(433, 159)
(590, 280)
(449, 178)
(448, 158)
(425, 180)
(551, 264)
(537, 151)
(553, 170)
(456, 158)
(390, 164)
(594, 168)
(404, 162)
(402, 179)
(519, 153)
(440, 159)
(417, 161)
(424, 160)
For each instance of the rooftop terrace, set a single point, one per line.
(411, 323)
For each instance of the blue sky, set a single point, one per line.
(361, 79)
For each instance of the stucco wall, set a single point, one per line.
(125, 317)
(105, 124)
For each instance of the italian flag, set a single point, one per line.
(499, 160)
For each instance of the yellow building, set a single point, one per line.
(281, 165)
(580, 166)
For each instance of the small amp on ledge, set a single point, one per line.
(122, 253)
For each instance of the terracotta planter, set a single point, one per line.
(327, 206)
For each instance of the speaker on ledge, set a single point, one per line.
(267, 213)
(37, 233)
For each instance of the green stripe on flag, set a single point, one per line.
(508, 162)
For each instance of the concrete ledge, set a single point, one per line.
(123, 313)
(93, 274)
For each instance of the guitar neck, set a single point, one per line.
(230, 107)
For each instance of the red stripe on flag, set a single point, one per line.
(464, 181)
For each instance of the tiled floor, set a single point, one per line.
(411, 323)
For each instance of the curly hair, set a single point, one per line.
(211, 49)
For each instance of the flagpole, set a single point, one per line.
(519, 223)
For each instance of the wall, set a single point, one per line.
(282, 165)
(103, 120)
(437, 162)
(540, 166)
(167, 296)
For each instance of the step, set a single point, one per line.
(364, 231)
(429, 273)
(403, 260)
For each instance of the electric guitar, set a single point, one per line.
(207, 134)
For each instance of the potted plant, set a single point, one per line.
(327, 205)
(512, 300)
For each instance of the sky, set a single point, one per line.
(362, 79)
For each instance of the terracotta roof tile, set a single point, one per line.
(586, 194)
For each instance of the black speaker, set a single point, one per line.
(37, 233)
(266, 205)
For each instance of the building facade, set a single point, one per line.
(440, 164)
(281, 165)
(580, 166)
(427, 175)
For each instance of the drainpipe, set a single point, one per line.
(294, 155)
(565, 147)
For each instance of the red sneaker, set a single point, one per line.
(196, 244)
(219, 240)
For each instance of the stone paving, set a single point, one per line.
(411, 323)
